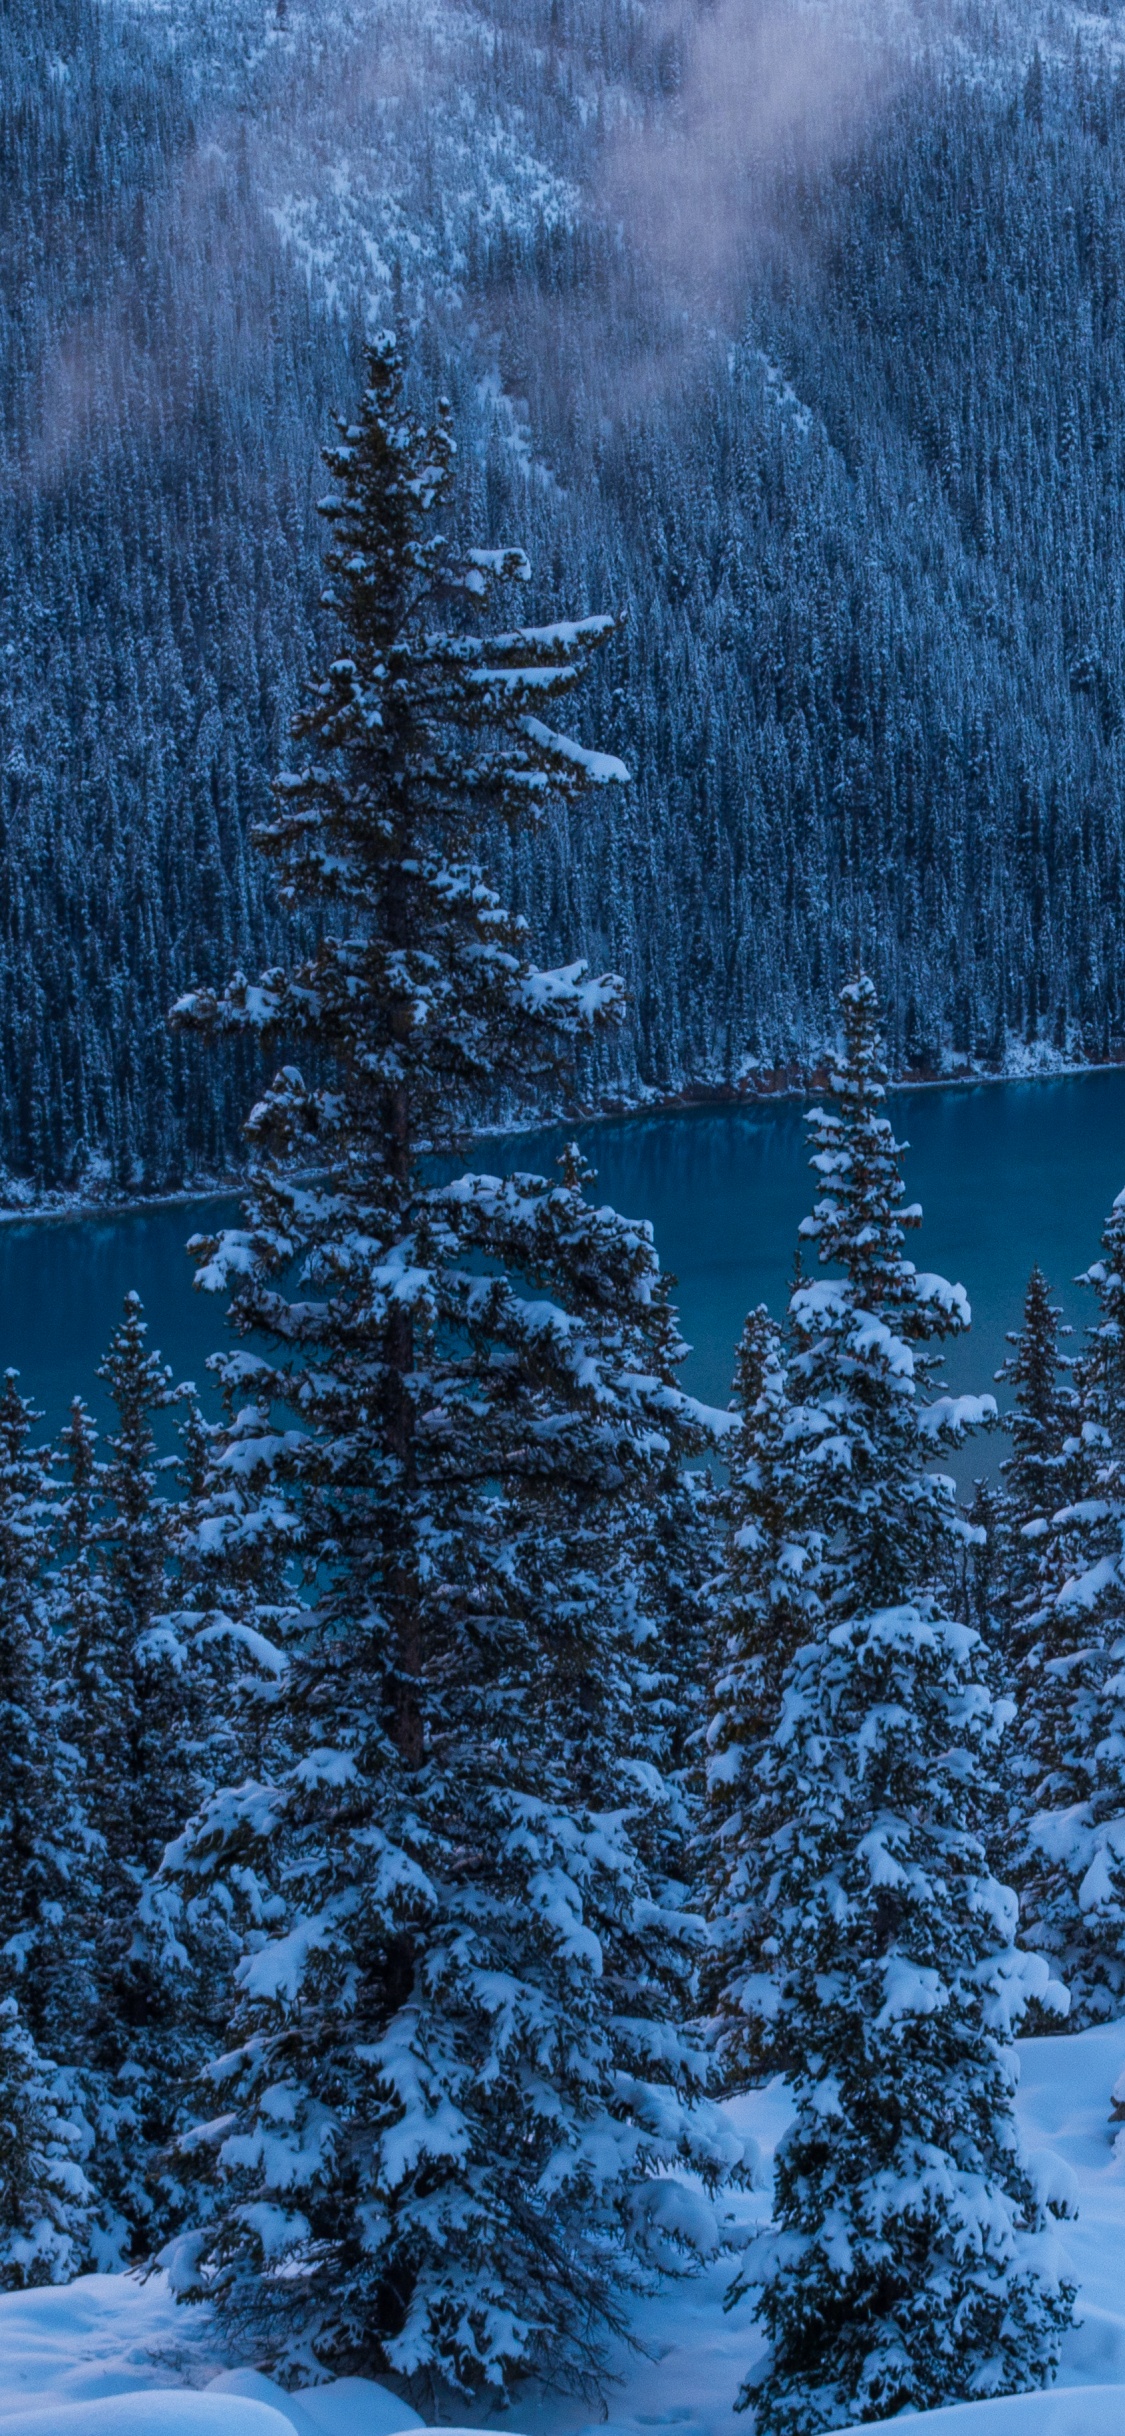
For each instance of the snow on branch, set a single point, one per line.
(601, 769)
(566, 990)
(503, 566)
(951, 1416)
(1083, 1591)
(231, 1257)
(937, 1290)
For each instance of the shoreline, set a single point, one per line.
(72, 1209)
(61, 1209)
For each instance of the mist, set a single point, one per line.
(753, 88)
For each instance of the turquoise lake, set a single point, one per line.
(1007, 1173)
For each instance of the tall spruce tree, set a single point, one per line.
(132, 1733)
(216, 1661)
(1043, 1415)
(151, 1702)
(136, 1526)
(872, 1958)
(1069, 1830)
(453, 2086)
(767, 1599)
(97, 1690)
(47, 1847)
(1040, 1481)
(999, 1573)
(1038, 1474)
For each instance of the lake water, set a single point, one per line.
(1007, 1173)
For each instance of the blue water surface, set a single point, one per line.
(1007, 1173)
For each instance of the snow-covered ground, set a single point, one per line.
(110, 2356)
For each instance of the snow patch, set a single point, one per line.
(87, 2358)
(154, 2415)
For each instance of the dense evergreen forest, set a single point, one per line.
(853, 478)
(420, 1824)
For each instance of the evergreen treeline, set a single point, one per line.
(871, 684)
(416, 1821)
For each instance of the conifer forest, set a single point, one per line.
(840, 444)
(479, 644)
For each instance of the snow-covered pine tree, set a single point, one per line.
(909, 2263)
(1069, 1839)
(145, 1704)
(229, 1610)
(1041, 1478)
(1043, 1415)
(1001, 1569)
(219, 1650)
(96, 1690)
(234, 1602)
(1042, 1425)
(766, 1600)
(140, 1755)
(142, 1660)
(454, 2084)
(45, 2199)
(47, 1888)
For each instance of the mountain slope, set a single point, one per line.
(804, 351)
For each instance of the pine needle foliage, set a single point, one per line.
(454, 2084)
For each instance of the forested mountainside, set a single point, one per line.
(816, 378)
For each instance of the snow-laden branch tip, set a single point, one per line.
(929, 1288)
(951, 1416)
(571, 989)
(602, 769)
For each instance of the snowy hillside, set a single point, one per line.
(108, 2356)
(804, 355)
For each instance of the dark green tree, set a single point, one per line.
(453, 2086)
